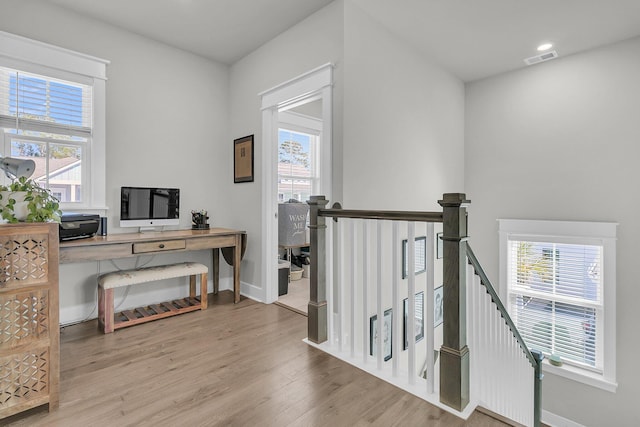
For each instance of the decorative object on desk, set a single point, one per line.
(419, 319)
(387, 334)
(243, 159)
(437, 306)
(199, 220)
(24, 200)
(420, 256)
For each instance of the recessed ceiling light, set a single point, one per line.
(544, 46)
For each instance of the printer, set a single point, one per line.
(78, 225)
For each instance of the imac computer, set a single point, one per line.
(147, 207)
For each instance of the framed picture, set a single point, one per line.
(420, 255)
(439, 243)
(243, 159)
(437, 306)
(387, 334)
(419, 319)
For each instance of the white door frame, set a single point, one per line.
(310, 86)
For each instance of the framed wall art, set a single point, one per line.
(243, 159)
(387, 334)
(439, 243)
(437, 306)
(420, 255)
(419, 319)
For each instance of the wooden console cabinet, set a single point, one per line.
(29, 329)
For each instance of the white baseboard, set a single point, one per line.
(554, 420)
(77, 314)
(251, 291)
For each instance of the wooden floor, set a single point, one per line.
(230, 365)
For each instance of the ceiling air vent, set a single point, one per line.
(541, 58)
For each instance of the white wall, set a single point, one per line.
(167, 119)
(403, 122)
(559, 140)
(313, 42)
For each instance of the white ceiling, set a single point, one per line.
(471, 38)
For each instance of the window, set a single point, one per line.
(297, 177)
(49, 121)
(52, 110)
(558, 281)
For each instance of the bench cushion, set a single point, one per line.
(117, 279)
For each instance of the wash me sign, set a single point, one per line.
(292, 223)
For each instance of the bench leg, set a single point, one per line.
(192, 286)
(105, 309)
(203, 291)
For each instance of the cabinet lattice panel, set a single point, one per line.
(23, 259)
(24, 377)
(23, 317)
(29, 329)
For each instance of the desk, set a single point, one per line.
(232, 242)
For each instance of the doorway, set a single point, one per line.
(299, 168)
(297, 106)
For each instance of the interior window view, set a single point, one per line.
(319, 213)
(297, 181)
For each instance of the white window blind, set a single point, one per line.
(555, 293)
(31, 102)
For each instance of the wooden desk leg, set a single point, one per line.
(216, 270)
(237, 258)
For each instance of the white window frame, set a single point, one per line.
(573, 232)
(52, 61)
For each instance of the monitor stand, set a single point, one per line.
(150, 229)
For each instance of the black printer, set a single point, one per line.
(78, 225)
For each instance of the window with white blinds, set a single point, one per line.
(558, 280)
(49, 121)
(555, 295)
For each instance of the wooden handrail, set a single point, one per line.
(382, 215)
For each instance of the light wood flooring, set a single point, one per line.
(297, 296)
(231, 365)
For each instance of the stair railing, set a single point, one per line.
(455, 378)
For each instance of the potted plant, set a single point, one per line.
(24, 200)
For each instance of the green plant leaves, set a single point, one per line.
(42, 206)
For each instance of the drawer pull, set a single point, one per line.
(161, 245)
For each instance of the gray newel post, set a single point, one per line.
(317, 308)
(454, 353)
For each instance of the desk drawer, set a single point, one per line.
(166, 245)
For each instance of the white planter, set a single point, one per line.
(20, 209)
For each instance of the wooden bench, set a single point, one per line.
(109, 321)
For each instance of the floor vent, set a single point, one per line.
(541, 58)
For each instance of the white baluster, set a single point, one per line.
(379, 308)
(352, 287)
(395, 262)
(411, 291)
(365, 294)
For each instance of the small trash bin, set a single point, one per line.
(283, 277)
